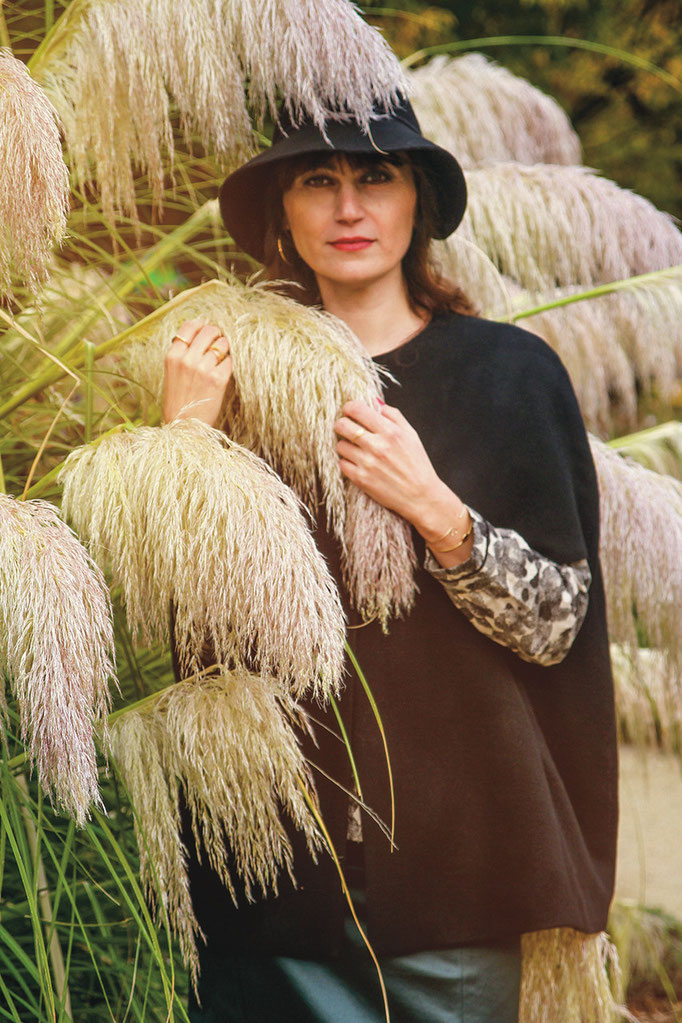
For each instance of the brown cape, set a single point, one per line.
(505, 772)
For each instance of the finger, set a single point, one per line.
(223, 370)
(219, 348)
(205, 336)
(351, 430)
(349, 469)
(394, 415)
(187, 331)
(362, 414)
(349, 451)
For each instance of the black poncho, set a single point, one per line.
(505, 772)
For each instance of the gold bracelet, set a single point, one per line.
(447, 532)
(460, 543)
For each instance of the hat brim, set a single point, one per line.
(242, 193)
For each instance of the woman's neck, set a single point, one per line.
(378, 313)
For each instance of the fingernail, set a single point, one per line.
(381, 401)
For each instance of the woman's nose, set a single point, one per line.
(348, 203)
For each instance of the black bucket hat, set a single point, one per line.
(242, 192)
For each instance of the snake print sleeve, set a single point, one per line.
(515, 596)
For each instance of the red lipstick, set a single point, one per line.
(352, 244)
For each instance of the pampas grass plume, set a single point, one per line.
(325, 59)
(294, 369)
(137, 743)
(616, 348)
(548, 226)
(184, 515)
(227, 741)
(56, 648)
(641, 551)
(648, 698)
(111, 67)
(483, 113)
(564, 978)
(34, 181)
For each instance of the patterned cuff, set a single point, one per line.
(474, 562)
(516, 596)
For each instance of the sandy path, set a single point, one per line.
(650, 835)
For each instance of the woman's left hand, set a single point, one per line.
(382, 454)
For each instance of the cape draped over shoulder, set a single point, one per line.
(505, 771)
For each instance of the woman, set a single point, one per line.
(498, 710)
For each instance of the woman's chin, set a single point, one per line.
(357, 274)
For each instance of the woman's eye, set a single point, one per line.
(376, 176)
(317, 180)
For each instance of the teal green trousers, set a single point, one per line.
(459, 985)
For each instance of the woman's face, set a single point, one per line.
(352, 225)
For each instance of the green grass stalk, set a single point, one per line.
(375, 710)
(461, 45)
(89, 366)
(54, 373)
(142, 915)
(43, 897)
(659, 432)
(346, 891)
(4, 31)
(125, 283)
(41, 969)
(346, 742)
(627, 284)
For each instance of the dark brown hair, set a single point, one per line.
(427, 290)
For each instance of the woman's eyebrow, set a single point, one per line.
(321, 167)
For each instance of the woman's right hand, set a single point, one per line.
(197, 370)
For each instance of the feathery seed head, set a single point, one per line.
(616, 347)
(111, 66)
(137, 743)
(482, 113)
(550, 225)
(34, 190)
(648, 697)
(184, 515)
(294, 369)
(56, 648)
(228, 742)
(641, 551)
(565, 977)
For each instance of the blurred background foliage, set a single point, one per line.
(629, 120)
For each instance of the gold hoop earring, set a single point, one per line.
(280, 249)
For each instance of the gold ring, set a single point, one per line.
(179, 337)
(219, 354)
(359, 434)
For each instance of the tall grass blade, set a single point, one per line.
(377, 716)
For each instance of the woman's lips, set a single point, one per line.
(352, 244)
